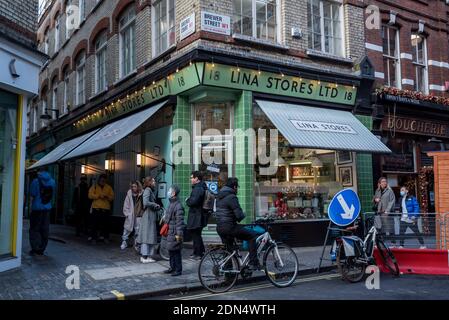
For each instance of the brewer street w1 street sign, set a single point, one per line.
(344, 207)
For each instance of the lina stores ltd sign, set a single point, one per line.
(416, 126)
(277, 84)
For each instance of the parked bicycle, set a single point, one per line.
(220, 266)
(354, 255)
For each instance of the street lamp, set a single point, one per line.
(46, 116)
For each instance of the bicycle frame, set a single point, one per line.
(370, 238)
(261, 241)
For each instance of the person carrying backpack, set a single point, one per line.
(41, 191)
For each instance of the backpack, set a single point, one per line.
(46, 193)
(209, 201)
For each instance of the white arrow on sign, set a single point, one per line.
(349, 212)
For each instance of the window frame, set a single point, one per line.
(101, 53)
(342, 51)
(80, 65)
(54, 100)
(82, 10)
(129, 25)
(43, 110)
(277, 10)
(389, 57)
(66, 81)
(423, 66)
(154, 37)
(57, 32)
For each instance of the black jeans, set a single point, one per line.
(39, 230)
(176, 260)
(82, 221)
(228, 232)
(198, 244)
(414, 228)
(100, 223)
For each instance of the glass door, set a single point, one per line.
(8, 145)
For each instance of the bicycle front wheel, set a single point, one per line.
(388, 258)
(216, 272)
(281, 265)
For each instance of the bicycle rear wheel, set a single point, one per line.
(215, 277)
(349, 268)
(388, 258)
(281, 265)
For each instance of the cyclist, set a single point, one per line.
(228, 214)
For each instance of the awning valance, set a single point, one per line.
(319, 128)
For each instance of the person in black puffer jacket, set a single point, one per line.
(228, 214)
(196, 219)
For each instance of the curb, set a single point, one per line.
(136, 295)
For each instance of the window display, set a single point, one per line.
(305, 182)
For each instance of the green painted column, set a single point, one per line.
(244, 170)
(365, 171)
(181, 174)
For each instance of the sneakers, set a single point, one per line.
(147, 260)
(423, 247)
(124, 245)
(196, 258)
(401, 247)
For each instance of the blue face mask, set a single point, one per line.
(403, 193)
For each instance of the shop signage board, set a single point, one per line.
(187, 26)
(215, 23)
(344, 207)
(416, 126)
(277, 84)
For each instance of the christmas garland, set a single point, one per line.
(413, 95)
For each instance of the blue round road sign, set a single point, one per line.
(344, 207)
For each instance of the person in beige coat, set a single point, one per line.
(384, 201)
(133, 211)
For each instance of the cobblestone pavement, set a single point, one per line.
(103, 268)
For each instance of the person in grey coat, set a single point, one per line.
(384, 201)
(147, 236)
(174, 217)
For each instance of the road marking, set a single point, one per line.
(119, 295)
(261, 286)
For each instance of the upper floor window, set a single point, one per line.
(324, 23)
(81, 79)
(69, 21)
(419, 54)
(54, 100)
(127, 41)
(46, 42)
(57, 31)
(82, 10)
(390, 44)
(66, 92)
(100, 62)
(34, 115)
(256, 18)
(43, 109)
(163, 26)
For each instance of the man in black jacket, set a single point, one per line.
(228, 214)
(196, 219)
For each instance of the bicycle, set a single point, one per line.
(220, 266)
(354, 254)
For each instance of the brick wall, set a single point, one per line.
(408, 15)
(18, 20)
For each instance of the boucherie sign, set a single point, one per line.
(416, 126)
(305, 125)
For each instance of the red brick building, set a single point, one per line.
(407, 41)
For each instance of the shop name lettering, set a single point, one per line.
(323, 126)
(285, 85)
(416, 126)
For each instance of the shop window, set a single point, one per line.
(305, 181)
(390, 44)
(127, 42)
(81, 79)
(324, 23)
(100, 63)
(419, 53)
(8, 136)
(256, 18)
(163, 26)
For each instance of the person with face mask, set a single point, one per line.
(410, 214)
(133, 211)
(174, 217)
